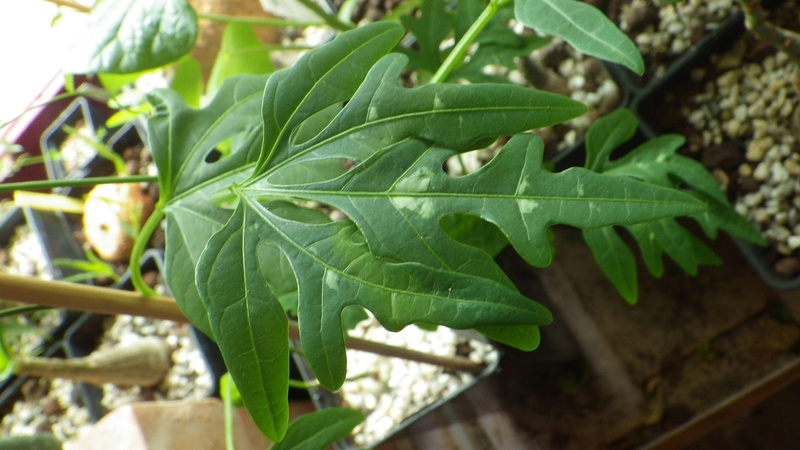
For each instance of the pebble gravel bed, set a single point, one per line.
(188, 378)
(46, 406)
(58, 406)
(665, 31)
(390, 390)
(755, 104)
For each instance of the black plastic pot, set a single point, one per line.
(55, 239)
(80, 115)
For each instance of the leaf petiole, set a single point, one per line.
(330, 20)
(138, 249)
(456, 56)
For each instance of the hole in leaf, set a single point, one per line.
(213, 156)
(472, 230)
(466, 163)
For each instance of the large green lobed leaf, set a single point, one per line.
(338, 129)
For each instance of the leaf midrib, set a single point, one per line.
(405, 116)
(312, 194)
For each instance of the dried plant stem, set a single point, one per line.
(782, 39)
(143, 363)
(71, 4)
(82, 297)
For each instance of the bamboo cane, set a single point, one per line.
(81, 297)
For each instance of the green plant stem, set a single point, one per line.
(302, 384)
(403, 8)
(10, 312)
(139, 247)
(81, 297)
(83, 182)
(259, 21)
(456, 56)
(228, 412)
(330, 20)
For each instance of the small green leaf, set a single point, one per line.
(134, 35)
(241, 52)
(656, 162)
(188, 81)
(320, 429)
(615, 259)
(608, 133)
(430, 27)
(584, 27)
(6, 361)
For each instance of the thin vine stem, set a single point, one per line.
(329, 19)
(139, 247)
(83, 182)
(782, 39)
(456, 56)
(11, 312)
(228, 414)
(100, 95)
(259, 21)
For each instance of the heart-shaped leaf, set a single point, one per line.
(134, 35)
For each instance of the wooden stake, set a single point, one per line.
(81, 297)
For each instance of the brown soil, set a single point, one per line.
(642, 370)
